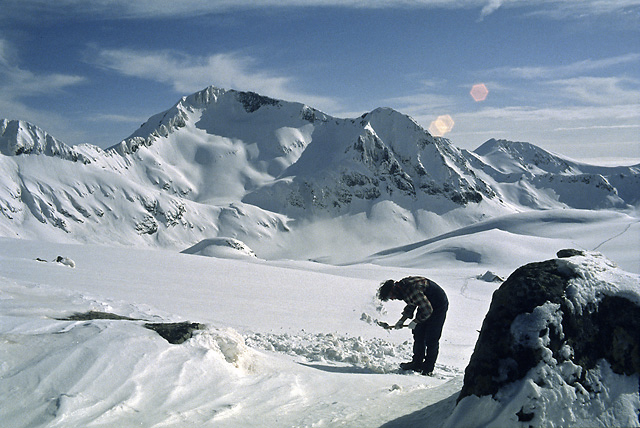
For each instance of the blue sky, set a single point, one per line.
(564, 75)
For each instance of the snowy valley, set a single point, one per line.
(271, 224)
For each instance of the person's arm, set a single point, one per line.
(400, 322)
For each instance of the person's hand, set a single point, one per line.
(412, 325)
(399, 324)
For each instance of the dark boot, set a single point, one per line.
(411, 365)
(426, 372)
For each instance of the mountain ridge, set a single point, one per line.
(224, 163)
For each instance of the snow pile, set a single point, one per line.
(221, 247)
(374, 355)
(573, 382)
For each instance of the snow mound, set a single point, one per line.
(221, 247)
(106, 371)
(66, 261)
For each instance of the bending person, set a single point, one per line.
(431, 303)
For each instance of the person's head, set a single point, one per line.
(385, 292)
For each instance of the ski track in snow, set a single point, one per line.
(464, 290)
(626, 229)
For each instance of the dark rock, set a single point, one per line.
(175, 333)
(524, 416)
(252, 101)
(569, 253)
(95, 315)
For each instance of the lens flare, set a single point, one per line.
(479, 92)
(441, 125)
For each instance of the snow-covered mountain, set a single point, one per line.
(527, 173)
(222, 163)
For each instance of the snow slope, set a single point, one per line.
(286, 343)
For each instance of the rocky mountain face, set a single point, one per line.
(222, 163)
(560, 337)
(383, 155)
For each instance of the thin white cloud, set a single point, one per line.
(187, 73)
(578, 67)
(614, 114)
(599, 90)
(17, 83)
(149, 9)
(577, 131)
(587, 128)
(118, 118)
(490, 7)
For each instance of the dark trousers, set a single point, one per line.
(426, 340)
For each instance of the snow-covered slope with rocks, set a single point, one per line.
(533, 177)
(228, 164)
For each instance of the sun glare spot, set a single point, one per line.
(441, 125)
(479, 92)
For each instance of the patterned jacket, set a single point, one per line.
(422, 294)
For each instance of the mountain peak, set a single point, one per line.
(507, 146)
(527, 155)
(164, 123)
(18, 137)
(251, 101)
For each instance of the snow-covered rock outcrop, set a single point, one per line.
(560, 346)
(221, 247)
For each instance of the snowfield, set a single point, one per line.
(285, 342)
